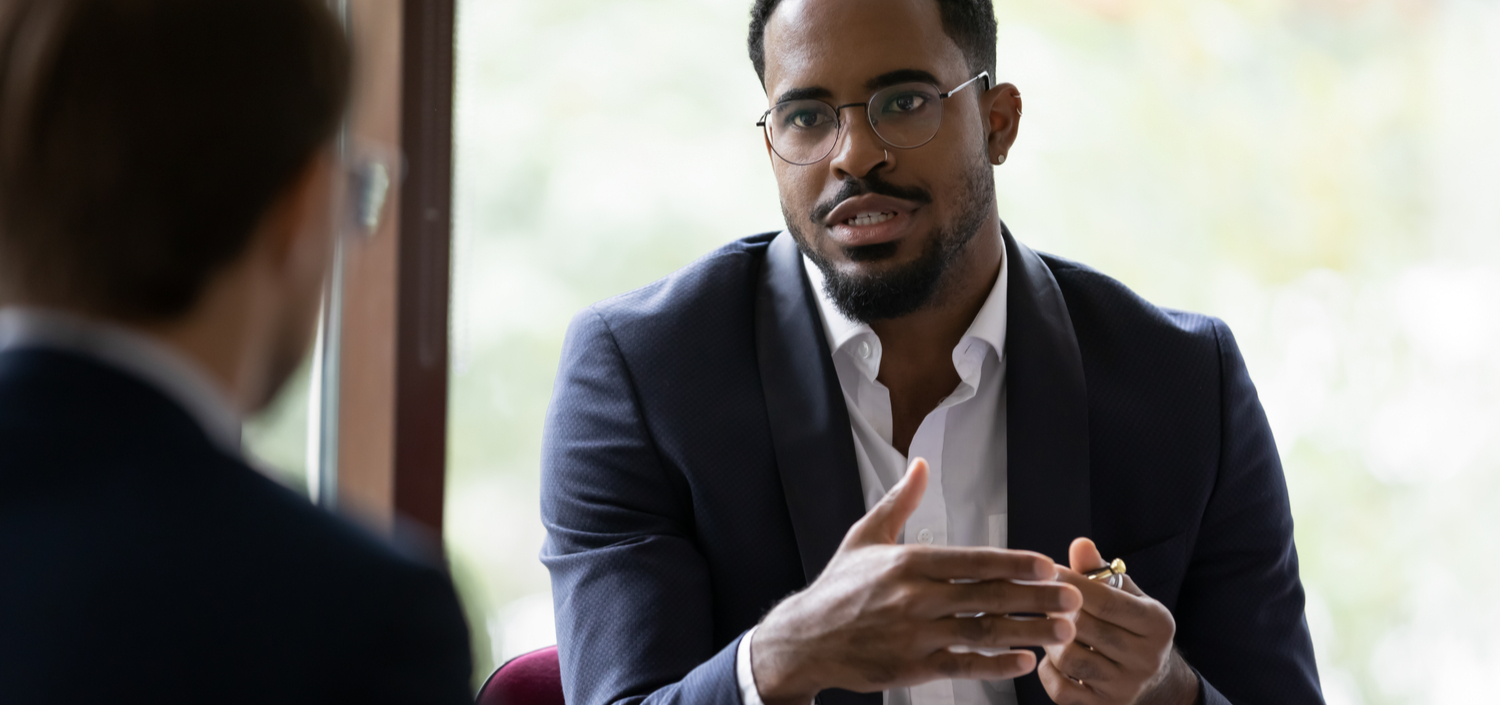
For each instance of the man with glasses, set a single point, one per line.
(171, 186)
(876, 456)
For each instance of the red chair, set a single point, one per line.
(529, 679)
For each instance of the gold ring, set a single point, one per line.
(1112, 574)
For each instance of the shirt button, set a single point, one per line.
(925, 536)
(864, 350)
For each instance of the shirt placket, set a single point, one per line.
(928, 525)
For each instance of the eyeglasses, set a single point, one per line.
(904, 116)
(369, 170)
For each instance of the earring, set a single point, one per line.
(1000, 160)
(887, 155)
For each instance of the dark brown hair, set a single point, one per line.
(142, 141)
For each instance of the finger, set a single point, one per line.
(1131, 588)
(884, 522)
(1064, 690)
(1084, 556)
(1097, 672)
(1114, 643)
(971, 666)
(981, 563)
(1003, 597)
(997, 632)
(1139, 615)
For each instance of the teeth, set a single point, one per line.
(869, 218)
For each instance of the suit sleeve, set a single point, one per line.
(630, 588)
(1240, 612)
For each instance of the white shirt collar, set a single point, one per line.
(987, 328)
(179, 378)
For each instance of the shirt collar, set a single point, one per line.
(179, 378)
(988, 326)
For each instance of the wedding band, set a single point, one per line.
(1112, 575)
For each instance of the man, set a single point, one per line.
(731, 517)
(169, 186)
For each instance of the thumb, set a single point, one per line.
(884, 522)
(1083, 556)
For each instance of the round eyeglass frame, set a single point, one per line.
(838, 111)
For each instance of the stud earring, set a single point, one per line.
(1000, 160)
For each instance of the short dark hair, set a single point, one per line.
(969, 23)
(142, 141)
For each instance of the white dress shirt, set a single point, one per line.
(963, 441)
(169, 372)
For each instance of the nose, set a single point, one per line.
(859, 150)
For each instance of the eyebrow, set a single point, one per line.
(892, 78)
(885, 80)
(804, 94)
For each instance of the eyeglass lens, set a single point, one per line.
(905, 116)
(368, 184)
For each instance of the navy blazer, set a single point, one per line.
(698, 466)
(140, 563)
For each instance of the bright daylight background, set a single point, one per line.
(1322, 174)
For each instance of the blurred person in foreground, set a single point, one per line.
(842, 459)
(169, 197)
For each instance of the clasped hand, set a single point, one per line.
(1122, 652)
(883, 615)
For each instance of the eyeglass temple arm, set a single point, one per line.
(982, 74)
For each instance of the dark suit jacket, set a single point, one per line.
(698, 466)
(139, 563)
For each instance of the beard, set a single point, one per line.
(906, 289)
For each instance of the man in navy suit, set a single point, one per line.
(169, 194)
(860, 456)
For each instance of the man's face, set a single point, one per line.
(884, 224)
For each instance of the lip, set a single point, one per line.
(857, 235)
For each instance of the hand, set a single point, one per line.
(881, 615)
(1123, 652)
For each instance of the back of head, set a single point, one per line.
(141, 141)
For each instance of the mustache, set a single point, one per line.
(870, 184)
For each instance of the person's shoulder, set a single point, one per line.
(708, 299)
(724, 273)
(1102, 305)
(317, 540)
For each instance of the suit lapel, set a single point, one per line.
(1047, 408)
(809, 422)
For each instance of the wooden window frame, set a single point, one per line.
(383, 418)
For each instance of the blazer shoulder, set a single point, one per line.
(1101, 301)
(292, 525)
(697, 289)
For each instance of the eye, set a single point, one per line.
(806, 119)
(905, 103)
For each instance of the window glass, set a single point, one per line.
(1322, 175)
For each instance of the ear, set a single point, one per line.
(1003, 103)
(300, 224)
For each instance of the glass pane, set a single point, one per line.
(1322, 175)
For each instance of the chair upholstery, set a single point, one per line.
(529, 679)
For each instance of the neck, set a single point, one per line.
(930, 334)
(219, 336)
(916, 360)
